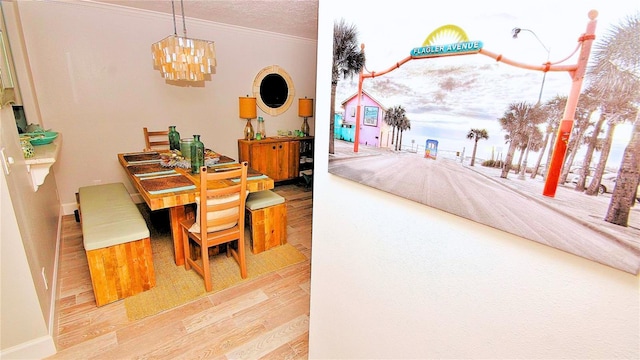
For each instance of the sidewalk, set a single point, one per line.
(588, 210)
(344, 150)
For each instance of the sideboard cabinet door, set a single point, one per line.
(278, 158)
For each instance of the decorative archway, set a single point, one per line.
(466, 47)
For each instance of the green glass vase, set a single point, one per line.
(174, 138)
(197, 154)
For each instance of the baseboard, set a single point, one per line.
(69, 208)
(39, 348)
(55, 289)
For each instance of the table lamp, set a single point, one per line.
(248, 111)
(305, 110)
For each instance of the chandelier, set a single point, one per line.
(182, 58)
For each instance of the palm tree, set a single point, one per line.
(553, 110)
(405, 124)
(476, 135)
(516, 121)
(348, 60)
(532, 136)
(627, 181)
(615, 71)
(592, 143)
(393, 117)
(623, 115)
(587, 105)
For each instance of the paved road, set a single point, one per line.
(452, 187)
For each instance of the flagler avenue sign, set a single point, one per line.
(466, 47)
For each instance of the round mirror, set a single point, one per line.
(273, 90)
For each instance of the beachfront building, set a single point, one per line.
(373, 130)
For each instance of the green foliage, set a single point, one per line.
(477, 134)
(493, 163)
(348, 57)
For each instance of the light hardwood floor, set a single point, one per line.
(265, 318)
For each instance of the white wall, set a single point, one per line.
(28, 240)
(396, 279)
(95, 83)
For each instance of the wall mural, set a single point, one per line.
(412, 157)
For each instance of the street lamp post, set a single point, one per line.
(515, 33)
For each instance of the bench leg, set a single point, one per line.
(268, 227)
(122, 270)
(176, 215)
(77, 212)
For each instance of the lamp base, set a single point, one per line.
(248, 131)
(305, 127)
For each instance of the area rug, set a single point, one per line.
(176, 286)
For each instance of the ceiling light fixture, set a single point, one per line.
(182, 58)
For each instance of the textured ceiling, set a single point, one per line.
(291, 17)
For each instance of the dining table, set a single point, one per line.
(175, 188)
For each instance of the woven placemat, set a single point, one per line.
(225, 159)
(146, 168)
(146, 156)
(161, 183)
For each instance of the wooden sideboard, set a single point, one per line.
(277, 157)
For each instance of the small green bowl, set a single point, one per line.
(42, 138)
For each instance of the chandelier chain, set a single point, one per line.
(184, 24)
(183, 59)
(173, 10)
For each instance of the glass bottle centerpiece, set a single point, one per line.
(174, 138)
(261, 133)
(197, 154)
(185, 148)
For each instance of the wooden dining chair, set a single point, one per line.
(155, 140)
(220, 212)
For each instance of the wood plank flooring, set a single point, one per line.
(267, 317)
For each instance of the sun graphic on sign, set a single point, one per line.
(446, 34)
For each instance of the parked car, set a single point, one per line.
(607, 183)
(577, 170)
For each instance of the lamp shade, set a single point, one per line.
(247, 107)
(305, 107)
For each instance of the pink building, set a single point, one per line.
(373, 130)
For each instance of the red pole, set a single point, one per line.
(360, 80)
(357, 138)
(564, 130)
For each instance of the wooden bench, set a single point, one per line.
(267, 219)
(116, 240)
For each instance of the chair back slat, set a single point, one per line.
(219, 220)
(223, 205)
(155, 140)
